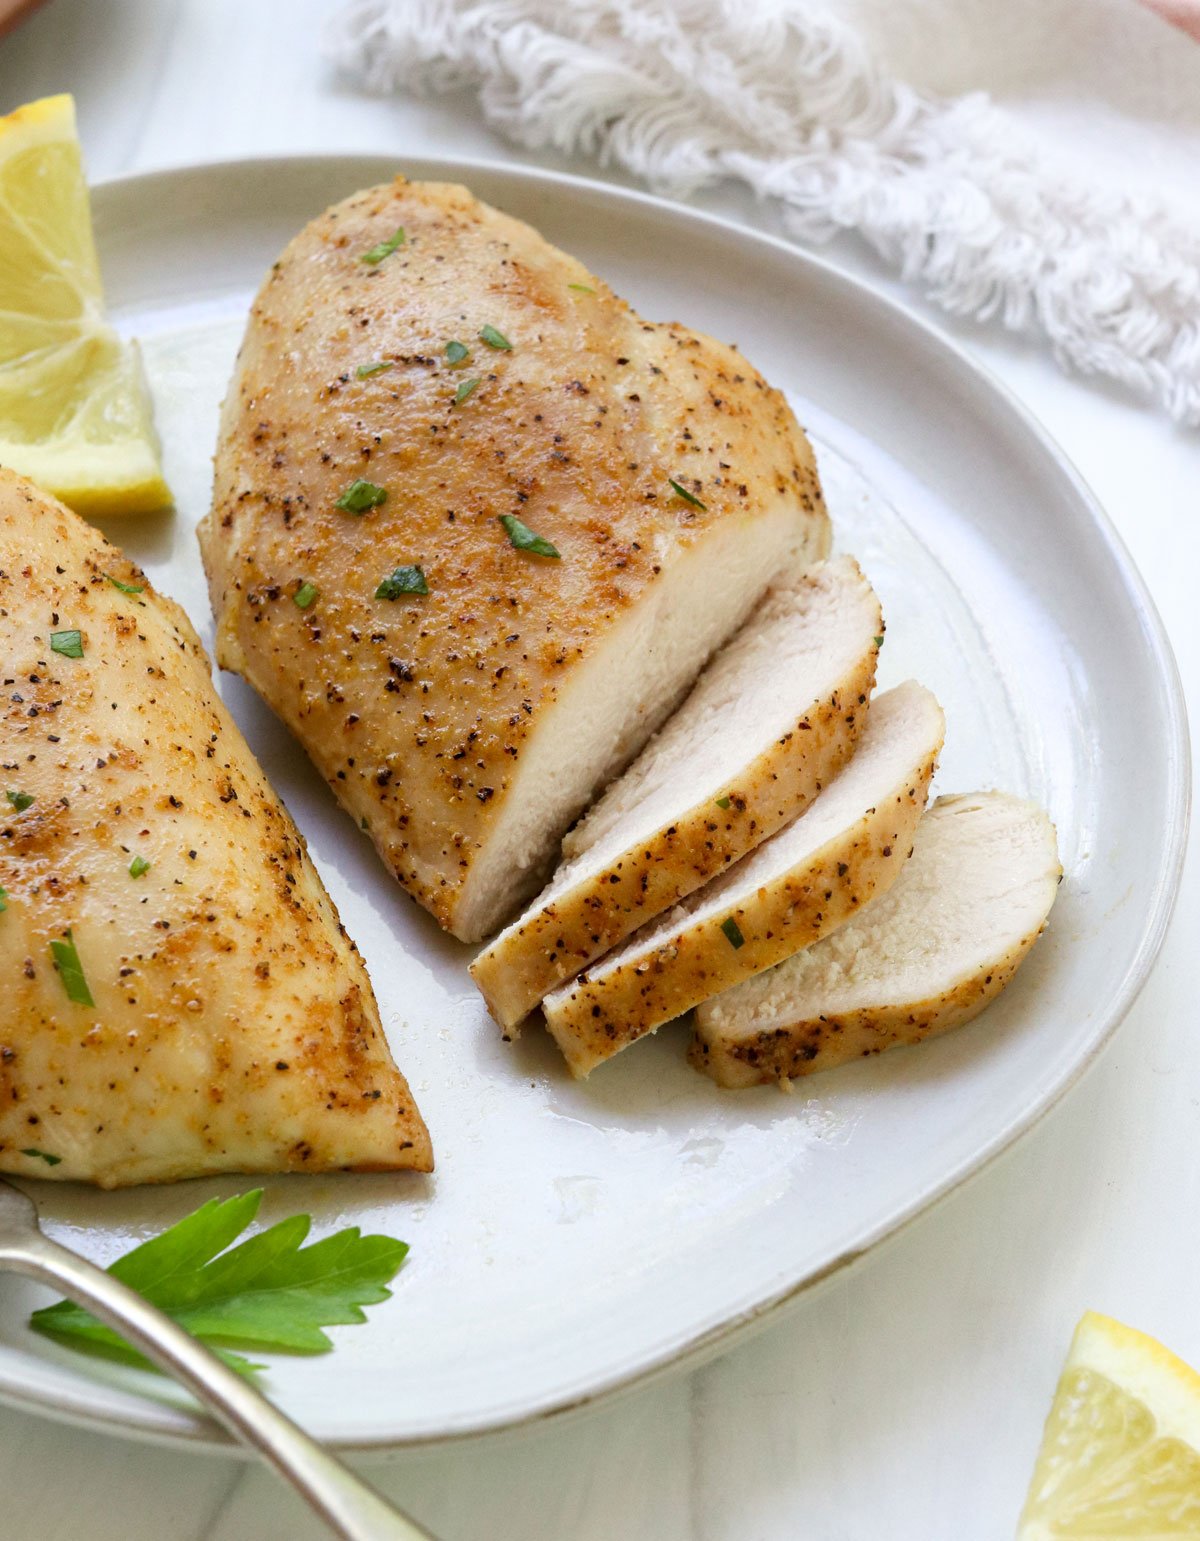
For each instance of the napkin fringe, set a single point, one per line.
(785, 97)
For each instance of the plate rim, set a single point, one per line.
(166, 1425)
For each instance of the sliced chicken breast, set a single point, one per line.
(804, 882)
(926, 957)
(770, 722)
(180, 998)
(477, 527)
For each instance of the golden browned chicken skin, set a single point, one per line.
(468, 727)
(232, 1026)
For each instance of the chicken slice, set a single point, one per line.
(180, 998)
(928, 956)
(771, 720)
(848, 846)
(518, 520)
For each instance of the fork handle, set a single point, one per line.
(351, 1508)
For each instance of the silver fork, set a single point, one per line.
(346, 1503)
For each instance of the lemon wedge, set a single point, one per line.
(1120, 1455)
(74, 408)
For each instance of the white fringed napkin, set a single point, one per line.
(787, 97)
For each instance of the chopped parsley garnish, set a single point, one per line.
(878, 643)
(524, 539)
(495, 339)
(68, 643)
(404, 580)
(137, 866)
(464, 391)
(361, 495)
(66, 961)
(268, 1292)
(722, 802)
(457, 353)
(384, 249)
(3, 900)
(365, 371)
(125, 588)
(305, 594)
(688, 497)
(364, 822)
(733, 933)
(582, 288)
(20, 800)
(42, 1155)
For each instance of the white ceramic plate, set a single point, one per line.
(576, 1237)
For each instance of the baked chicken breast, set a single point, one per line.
(179, 995)
(477, 526)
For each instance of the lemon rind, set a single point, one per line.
(1143, 1368)
(122, 475)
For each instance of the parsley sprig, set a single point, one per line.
(268, 1292)
(361, 495)
(495, 339)
(384, 249)
(68, 643)
(688, 497)
(524, 539)
(733, 933)
(70, 969)
(403, 580)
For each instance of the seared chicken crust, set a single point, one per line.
(466, 727)
(180, 997)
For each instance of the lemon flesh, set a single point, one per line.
(75, 412)
(1120, 1456)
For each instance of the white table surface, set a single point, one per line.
(906, 1400)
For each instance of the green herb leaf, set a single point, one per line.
(42, 1155)
(495, 339)
(384, 249)
(733, 933)
(364, 822)
(125, 588)
(268, 1292)
(305, 594)
(582, 288)
(68, 643)
(66, 961)
(524, 539)
(365, 371)
(137, 866)
(878, 643)
(404, 580)
(688, 497)
(361, 495)
(20, 800)
(457, 353)
(3, 900)
(464, 391)
(722, 802)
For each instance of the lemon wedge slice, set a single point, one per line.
(1120, 1455)
(74, 408)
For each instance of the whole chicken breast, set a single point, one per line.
(477, 526)
(179, 996)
